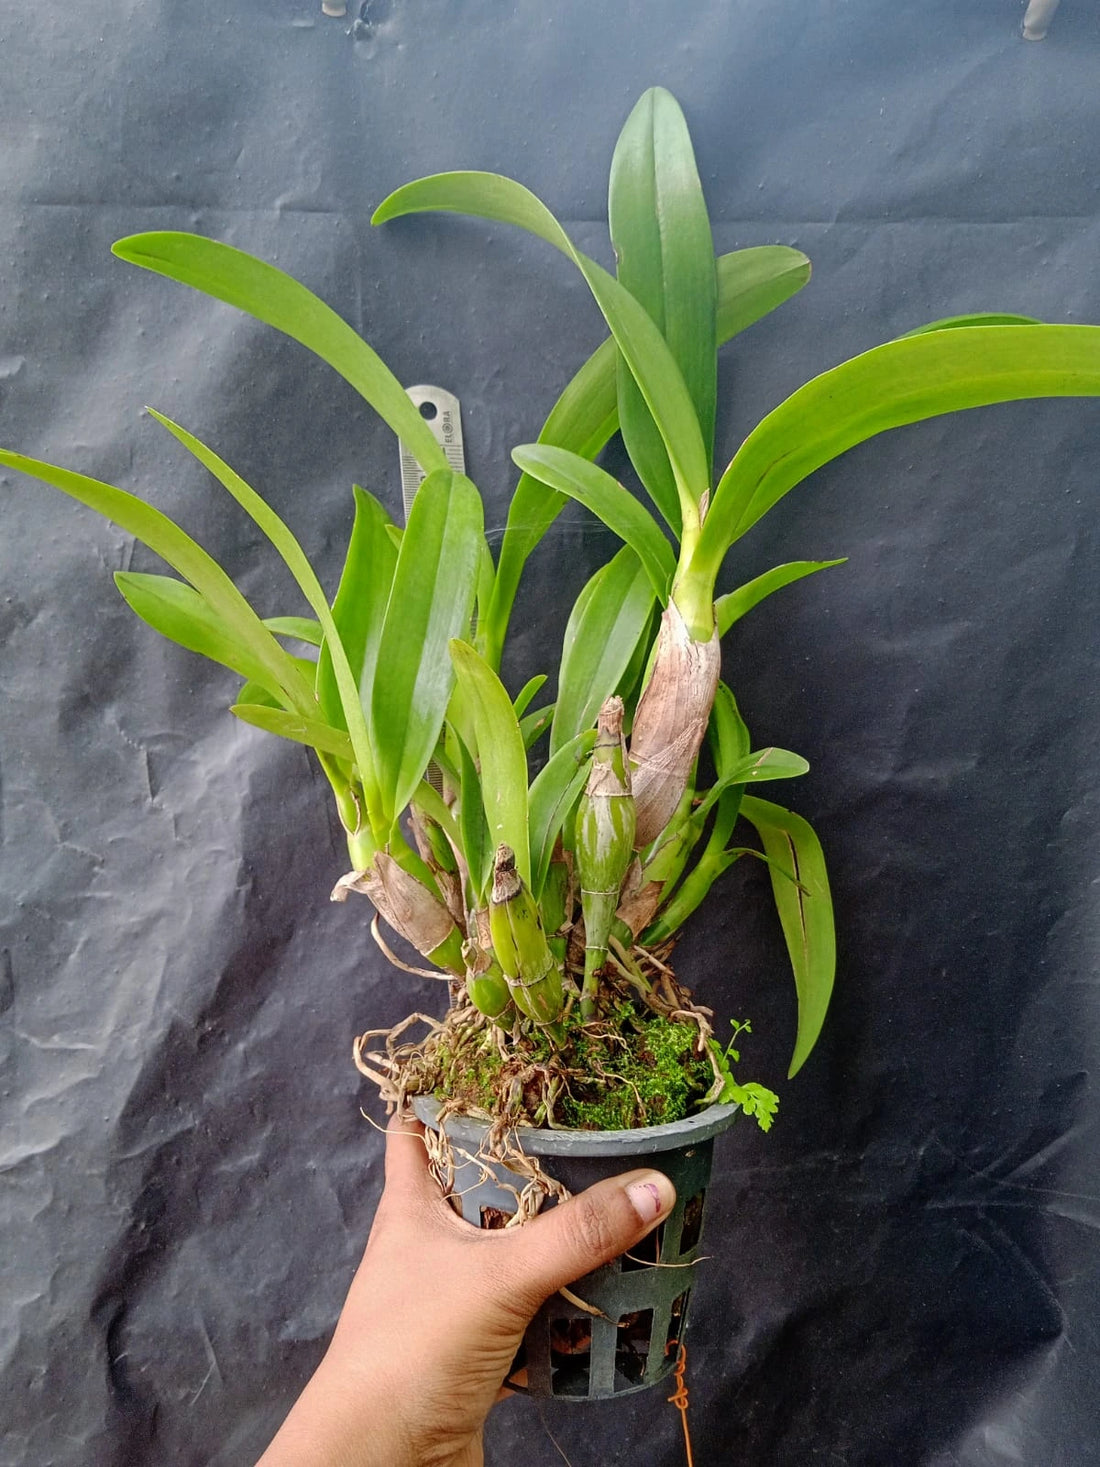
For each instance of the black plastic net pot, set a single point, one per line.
(567, 1353)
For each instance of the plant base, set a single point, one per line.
(639, 1064)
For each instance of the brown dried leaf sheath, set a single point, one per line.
(670, 722)
(409, 908)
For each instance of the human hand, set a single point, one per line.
(436, 1313)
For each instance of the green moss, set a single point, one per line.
(656, 1079)
(470, 1075)
(633, 1069)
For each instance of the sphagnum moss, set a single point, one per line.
(634, 1068)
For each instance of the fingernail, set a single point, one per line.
(651, 1196)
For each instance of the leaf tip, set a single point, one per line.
(123, 248)
(388, 209)
(137, 249)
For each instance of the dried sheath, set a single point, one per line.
(410, 909)
(670, 723)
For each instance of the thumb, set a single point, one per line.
(586, 1231)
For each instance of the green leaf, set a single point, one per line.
(484, 195)
(755, 768)
(663, 389)
(500, 753)
(533, 725)
(297, 628)
(257, 693)
(554, 791)
(692, 891)
(320, 736)
(296, 562)
(755, 1100)
(432, 803)
(523, 698)
(901, 382)
(360, 605)
(731, 608)
(629, 686)
(609, 501)
(272, 296)
(730, 743)
(490, 196)
(805, 913)
(729, 736)
(666, 859)
(752, 282)
(430, 603)
(486, 578)
(600, 638)
(166, 539)
(665, 253)
(982, 318)
(476, 845)
(582, 420)
(178, 612)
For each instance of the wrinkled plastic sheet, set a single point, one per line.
(906, 1270)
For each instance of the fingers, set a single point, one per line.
(584, 1233)
(529, 1264)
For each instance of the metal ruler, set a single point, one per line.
(441, 412)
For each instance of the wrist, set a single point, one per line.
(346, 1417)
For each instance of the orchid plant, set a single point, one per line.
(544, 855)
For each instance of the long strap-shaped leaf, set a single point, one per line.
(607, 619)
(759, 767)
(272, 296)
(661, 385)
(754, 281)
(300, 628)
(727, 731)
(661, 233)
(177, 611)
(360, 603)
(430, 603)
(901, 382)
(582, 420)
(294, 557)
(732, 607)
(805, 913)
(973, 318)
(477, 845)
(554, 791)
(166, 539)
(310, 731)
(593, 487)
(500, 753)
(751, 283)
(490, 196)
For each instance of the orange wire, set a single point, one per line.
(680, 1400)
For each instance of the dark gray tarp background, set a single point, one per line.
(906, 1271)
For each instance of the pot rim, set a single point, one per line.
(539, 1141)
